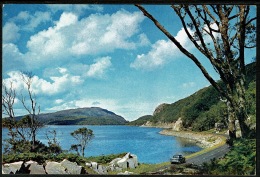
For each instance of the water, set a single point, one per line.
(146, 143)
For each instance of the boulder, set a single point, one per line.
(128, 161)
(34, 167)
(14, 168)
(100, 169)
(55, 168)
(71, 167)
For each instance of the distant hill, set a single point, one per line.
(81, 116)
(201, 110)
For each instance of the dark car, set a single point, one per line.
(178, 159)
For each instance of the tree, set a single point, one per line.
(33, 109)
(83, 135)
(14, 128)
(221, 33)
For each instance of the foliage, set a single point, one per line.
(83, 135)
(241, 160)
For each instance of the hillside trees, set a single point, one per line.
(221, 33)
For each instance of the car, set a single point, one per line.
(178, 159)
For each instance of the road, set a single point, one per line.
(215, 153)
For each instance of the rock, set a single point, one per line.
(128, 161)
(190, 171)
(88, 164)
(71, 167)
(178, 125)
(126, 173)
(55, 168)
(14, 168)
(34, 167)
(101, 169)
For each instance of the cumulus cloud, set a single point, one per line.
(162, 52)
(58, 84)
(10, 32)
(92, 35)
(98, 69)
(12, 57)
(105, 33)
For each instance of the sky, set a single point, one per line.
(108, 56)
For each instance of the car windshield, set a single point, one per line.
(176, 156)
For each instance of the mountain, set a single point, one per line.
(201, 110)
(82, 116)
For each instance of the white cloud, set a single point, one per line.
(78, 9)
(37, 19)
(12, 57)
(105, 33)
(188, 84)
(10, 32)
(143, 40)
(162, 52)
(24, 15)
(66, 19)
(98, 69)
(58, 101)
(31, 21)
(58, 84)
(95, 34)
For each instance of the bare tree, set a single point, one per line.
(33, 109)
(221, 33)
(8, 100)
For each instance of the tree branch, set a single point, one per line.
(184, 51)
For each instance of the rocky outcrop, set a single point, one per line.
(32, 167)
(158, 124)
(159, 108)
(178, 126)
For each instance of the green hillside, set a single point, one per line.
(201, 110)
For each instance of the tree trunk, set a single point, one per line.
(231, 121)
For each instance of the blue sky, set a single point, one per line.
(108, 56)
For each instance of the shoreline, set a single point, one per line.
(203, 140)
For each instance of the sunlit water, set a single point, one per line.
(146, 143)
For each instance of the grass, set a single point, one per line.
(146, 168)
